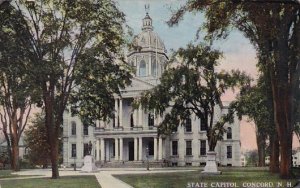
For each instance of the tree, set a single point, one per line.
(274, 31)
(65, 41)
(36, 142)
(17, 93)
(255, 102)
(190, 85)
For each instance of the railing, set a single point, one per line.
(121, 129)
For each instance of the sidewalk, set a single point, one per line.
(104, 176)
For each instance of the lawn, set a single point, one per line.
(7, 174)
(228, 178)
(62, 182)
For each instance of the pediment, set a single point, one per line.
(138, 85)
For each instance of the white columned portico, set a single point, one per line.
(121, 149)
(116, 149)
(102, 152)
(135, 148)
(155, 148)
(116, 112)
(160, 148)
(140, 148)
(97, 150)
(121, 112)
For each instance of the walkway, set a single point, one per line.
(104, 176)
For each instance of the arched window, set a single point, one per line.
(229, 133)
(73, 128)
(188, 125)
(142, 69)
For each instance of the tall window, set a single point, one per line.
(73, 128)
(131, 121)
(85, 129)
(188, 125)
(175, 147)
(229, 133)
(114, 120)
(151, 120)
(142, 70)
(153, 67)
(85, 149)
(202, 147)
(229, 152)
(188, 147)
(202, 125)
(73, 150)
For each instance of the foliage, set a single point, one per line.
(190, 85)
(36, 141)
(273, 29)
(67, 43)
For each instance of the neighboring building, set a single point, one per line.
(243, 160)
(132, 134)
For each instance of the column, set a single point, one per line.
(102, 145)
(140, 116)
(121, 149)
(135, 118)
(135, 149)
(160, 148)
(121, 112)
(155, 148)
(140, 148)
(116, 149)
(97, 150)
(116, 112)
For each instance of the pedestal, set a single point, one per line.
(211, 166)
(89, 164)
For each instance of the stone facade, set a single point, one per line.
(132, 134)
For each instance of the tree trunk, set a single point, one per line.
(282, 110)
(15, 155)
(52, 131)
(274, 153)
(261, 147)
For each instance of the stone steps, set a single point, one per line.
(129, 164)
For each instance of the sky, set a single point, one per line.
(238, 52)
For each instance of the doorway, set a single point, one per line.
(131, 151)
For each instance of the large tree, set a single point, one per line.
(191, 85)
(17, 93)
(273, 28)
(66, 41)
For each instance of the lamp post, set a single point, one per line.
(147, 156)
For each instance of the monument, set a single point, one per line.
(211, 166)
(89, 161)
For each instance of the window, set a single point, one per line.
(151, 120)
(202, 125)
(85, 130)
(114, 120)
(153, 67)
(188, 125)
(131, 121)
(85, 149)
(73, 128)
(73, 150)
(229, 133)
(202, 147)
(188, 148)
(229, 152)
(142, 70)
(175, 147)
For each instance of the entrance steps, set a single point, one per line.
(129, 164)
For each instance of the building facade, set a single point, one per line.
(131, 136)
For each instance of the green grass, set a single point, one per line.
(239, 177)
(62, 182)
